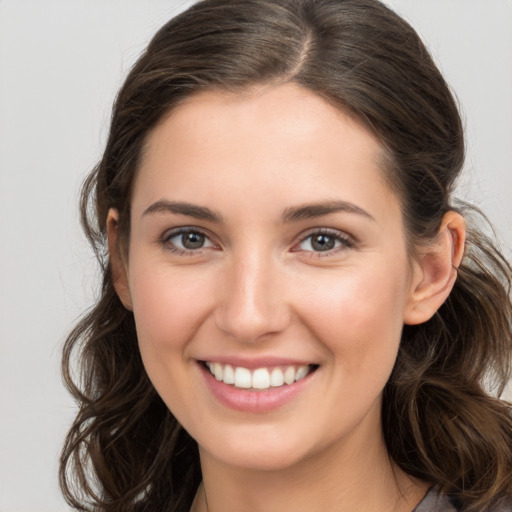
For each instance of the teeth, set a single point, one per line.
(301, 372)
(229, 375)
(218, 371)
(261, 378)
(243, 378)
(276, 378)
(289, 375)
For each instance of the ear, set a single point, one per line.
(118, 264)
(435, 270)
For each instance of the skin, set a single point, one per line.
(257, 288)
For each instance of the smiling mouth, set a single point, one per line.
(259, 378)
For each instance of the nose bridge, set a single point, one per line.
(253, 304)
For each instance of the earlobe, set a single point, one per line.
(117, 262)
(435, 270)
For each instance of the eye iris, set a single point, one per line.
(192, 240)
(322, 242)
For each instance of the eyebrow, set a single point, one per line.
(292, 214)
(191, 210)
(310, 211)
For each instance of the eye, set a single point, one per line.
(325, 241)
(186, 240)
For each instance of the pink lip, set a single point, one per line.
(257, 362)
(253, 401)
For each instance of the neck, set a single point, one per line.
(340, 480)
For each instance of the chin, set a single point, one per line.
(260, 451)
(259, 460)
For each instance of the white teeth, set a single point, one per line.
(217, 371)
(276, 378)
(260, 378)
(229, 375)
(243, 378)
(301, 372)
(289, 375)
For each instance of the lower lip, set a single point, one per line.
(253, 401)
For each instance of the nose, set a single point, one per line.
(253, 305)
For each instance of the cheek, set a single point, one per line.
(169, 306)
(358, 316)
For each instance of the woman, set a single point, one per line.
(294, 314)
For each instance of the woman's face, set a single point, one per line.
(266, 248)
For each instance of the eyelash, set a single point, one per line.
(343, 241)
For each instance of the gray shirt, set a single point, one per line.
(436, 502)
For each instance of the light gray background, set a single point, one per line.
(60, 65)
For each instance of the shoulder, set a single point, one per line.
(434, 501)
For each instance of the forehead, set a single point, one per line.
(288, 109)
(261, 143)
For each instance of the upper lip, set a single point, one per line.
(256, 362)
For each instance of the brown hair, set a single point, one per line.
(126, 451)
